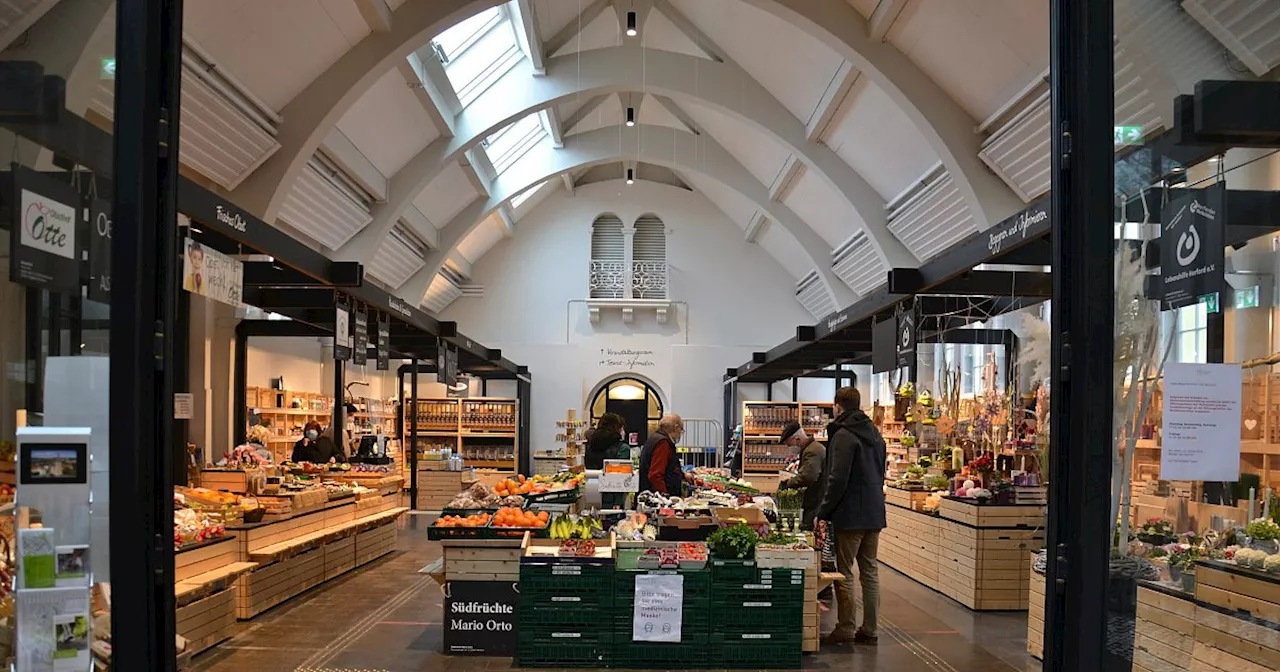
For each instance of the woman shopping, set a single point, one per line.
(606, 444)
(314, 448)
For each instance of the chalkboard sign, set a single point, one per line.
(480, 618)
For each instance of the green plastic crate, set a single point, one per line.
(781, 617)
(539, 589)
(660, 655)
(732, 571)
(769, 655)
(534, 616)
(564, 648)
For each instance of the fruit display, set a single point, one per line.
(478, 520)
(478, 496)
(573, 526)
(189, 527)
(511, 516)
(580, 548)
(635, 528)
(520, 485)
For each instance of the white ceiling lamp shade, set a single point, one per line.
(933, 217)
(857, 264)
(1018, 151)
(399, 256)
(1249, 28)
(442, 292)
(225, 134)
(813, 294)
(632, 28)
(326, 205)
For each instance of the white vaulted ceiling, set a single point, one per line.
(372, 146)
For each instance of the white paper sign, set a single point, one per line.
(619, 476)
(659, 608)
(210, 273)
(183, 405)
(1201, 423)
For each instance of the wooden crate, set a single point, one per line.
(437, 488)
(1237, 589)
(482, 559)
(375, 543)
(1231, 643)
(207, 621)
(907, 499)
(189, 563)
(272, 584)
(1164, 631)
(225, 479)
(1035, 613)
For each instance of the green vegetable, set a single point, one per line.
(790, 500)
(734, 543)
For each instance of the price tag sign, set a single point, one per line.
(183, 406)
(659, 608)
(619, 476)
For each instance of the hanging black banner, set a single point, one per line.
(905, 347)
(384, 345)
(1191, 248)
(360, 336)
(884, 354)
(446, 363)
(341, 333)
(45, 215)
(100, 221)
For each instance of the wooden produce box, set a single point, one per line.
(482, 559)
(228, 480)
(437, 488)
(907, 499)
(205, 557)
(1164, 632)
(812, 614)
(1035, 613)
(785, 558)
(207, 621)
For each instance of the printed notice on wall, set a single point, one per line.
(1201, 423)
(659, 608)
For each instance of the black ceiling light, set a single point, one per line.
(631, 176)
(631, 116)
(631, 24)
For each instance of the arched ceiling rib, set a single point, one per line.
(671, 148)
(940, 119)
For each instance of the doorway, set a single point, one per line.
(637, 400)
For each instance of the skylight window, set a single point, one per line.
(527, 194)
(478, 52)
(507, 146)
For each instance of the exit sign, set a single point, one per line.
(1128, 135)
(1247, 297)
(107, 68)
(1210, 302)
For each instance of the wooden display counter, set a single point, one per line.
(1232, 622)
(1035, 612)
(974, 554)
(481, 559)
(437, 488)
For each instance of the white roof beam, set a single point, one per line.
(938, 118)
(883, 17)
(430, 99)
(555, 129)
(479, 169)
(436, 82)
(691, 30)
(757, 226)
(339, 148)
(376, 13)
(720, 86)
(581, 113)
(668, 147)
(419, 224)
(680, 115)
(460, 265)
(567, 179)
(791, 171)
(566, 34)
(837, 91)
(527, 20)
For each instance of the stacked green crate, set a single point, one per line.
(564, 614)
(761, 615)
(695, 620)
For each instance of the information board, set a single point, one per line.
(480, 618)
(659, 609)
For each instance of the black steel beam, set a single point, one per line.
(272, 274)
(974, 283)
(283, 299)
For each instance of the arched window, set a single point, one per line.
(637, 400)
(649, 259)
(608, 258)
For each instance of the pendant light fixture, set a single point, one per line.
(631, 116)
(631, 176)
(631, 24)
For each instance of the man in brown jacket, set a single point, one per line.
(809, 475)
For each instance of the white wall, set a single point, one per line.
(734, 300)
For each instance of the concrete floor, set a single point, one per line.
(386, 617)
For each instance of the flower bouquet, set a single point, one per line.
(1156, 531)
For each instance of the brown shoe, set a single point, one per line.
(837, 638)
(861, 637)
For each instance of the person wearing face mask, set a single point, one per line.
(810, 475)
(313, 447)
(660, 469)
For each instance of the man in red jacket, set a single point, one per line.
(660, 468)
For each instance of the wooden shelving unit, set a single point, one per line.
(762, 423)
(481, 429)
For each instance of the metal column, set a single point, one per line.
(1083, 317)
(412, 410)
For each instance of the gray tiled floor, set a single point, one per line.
(385, 617)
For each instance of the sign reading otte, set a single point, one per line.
(45, 216)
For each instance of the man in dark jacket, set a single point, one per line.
(660, 469)
(853, 502)
(809, 475)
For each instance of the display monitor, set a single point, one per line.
(53, 463)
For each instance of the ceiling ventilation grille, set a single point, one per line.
(933, 219)
(1249, 28)
(399, 256)
(812, 293)
(857, 264)
(224, 136)
(1018, 151)
(325, 205)
(440, 294)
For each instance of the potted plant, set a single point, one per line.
(983, 464)
(1182, 565)
(1264, 535)
(1156, 531)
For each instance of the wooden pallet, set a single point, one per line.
(1035, 613)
